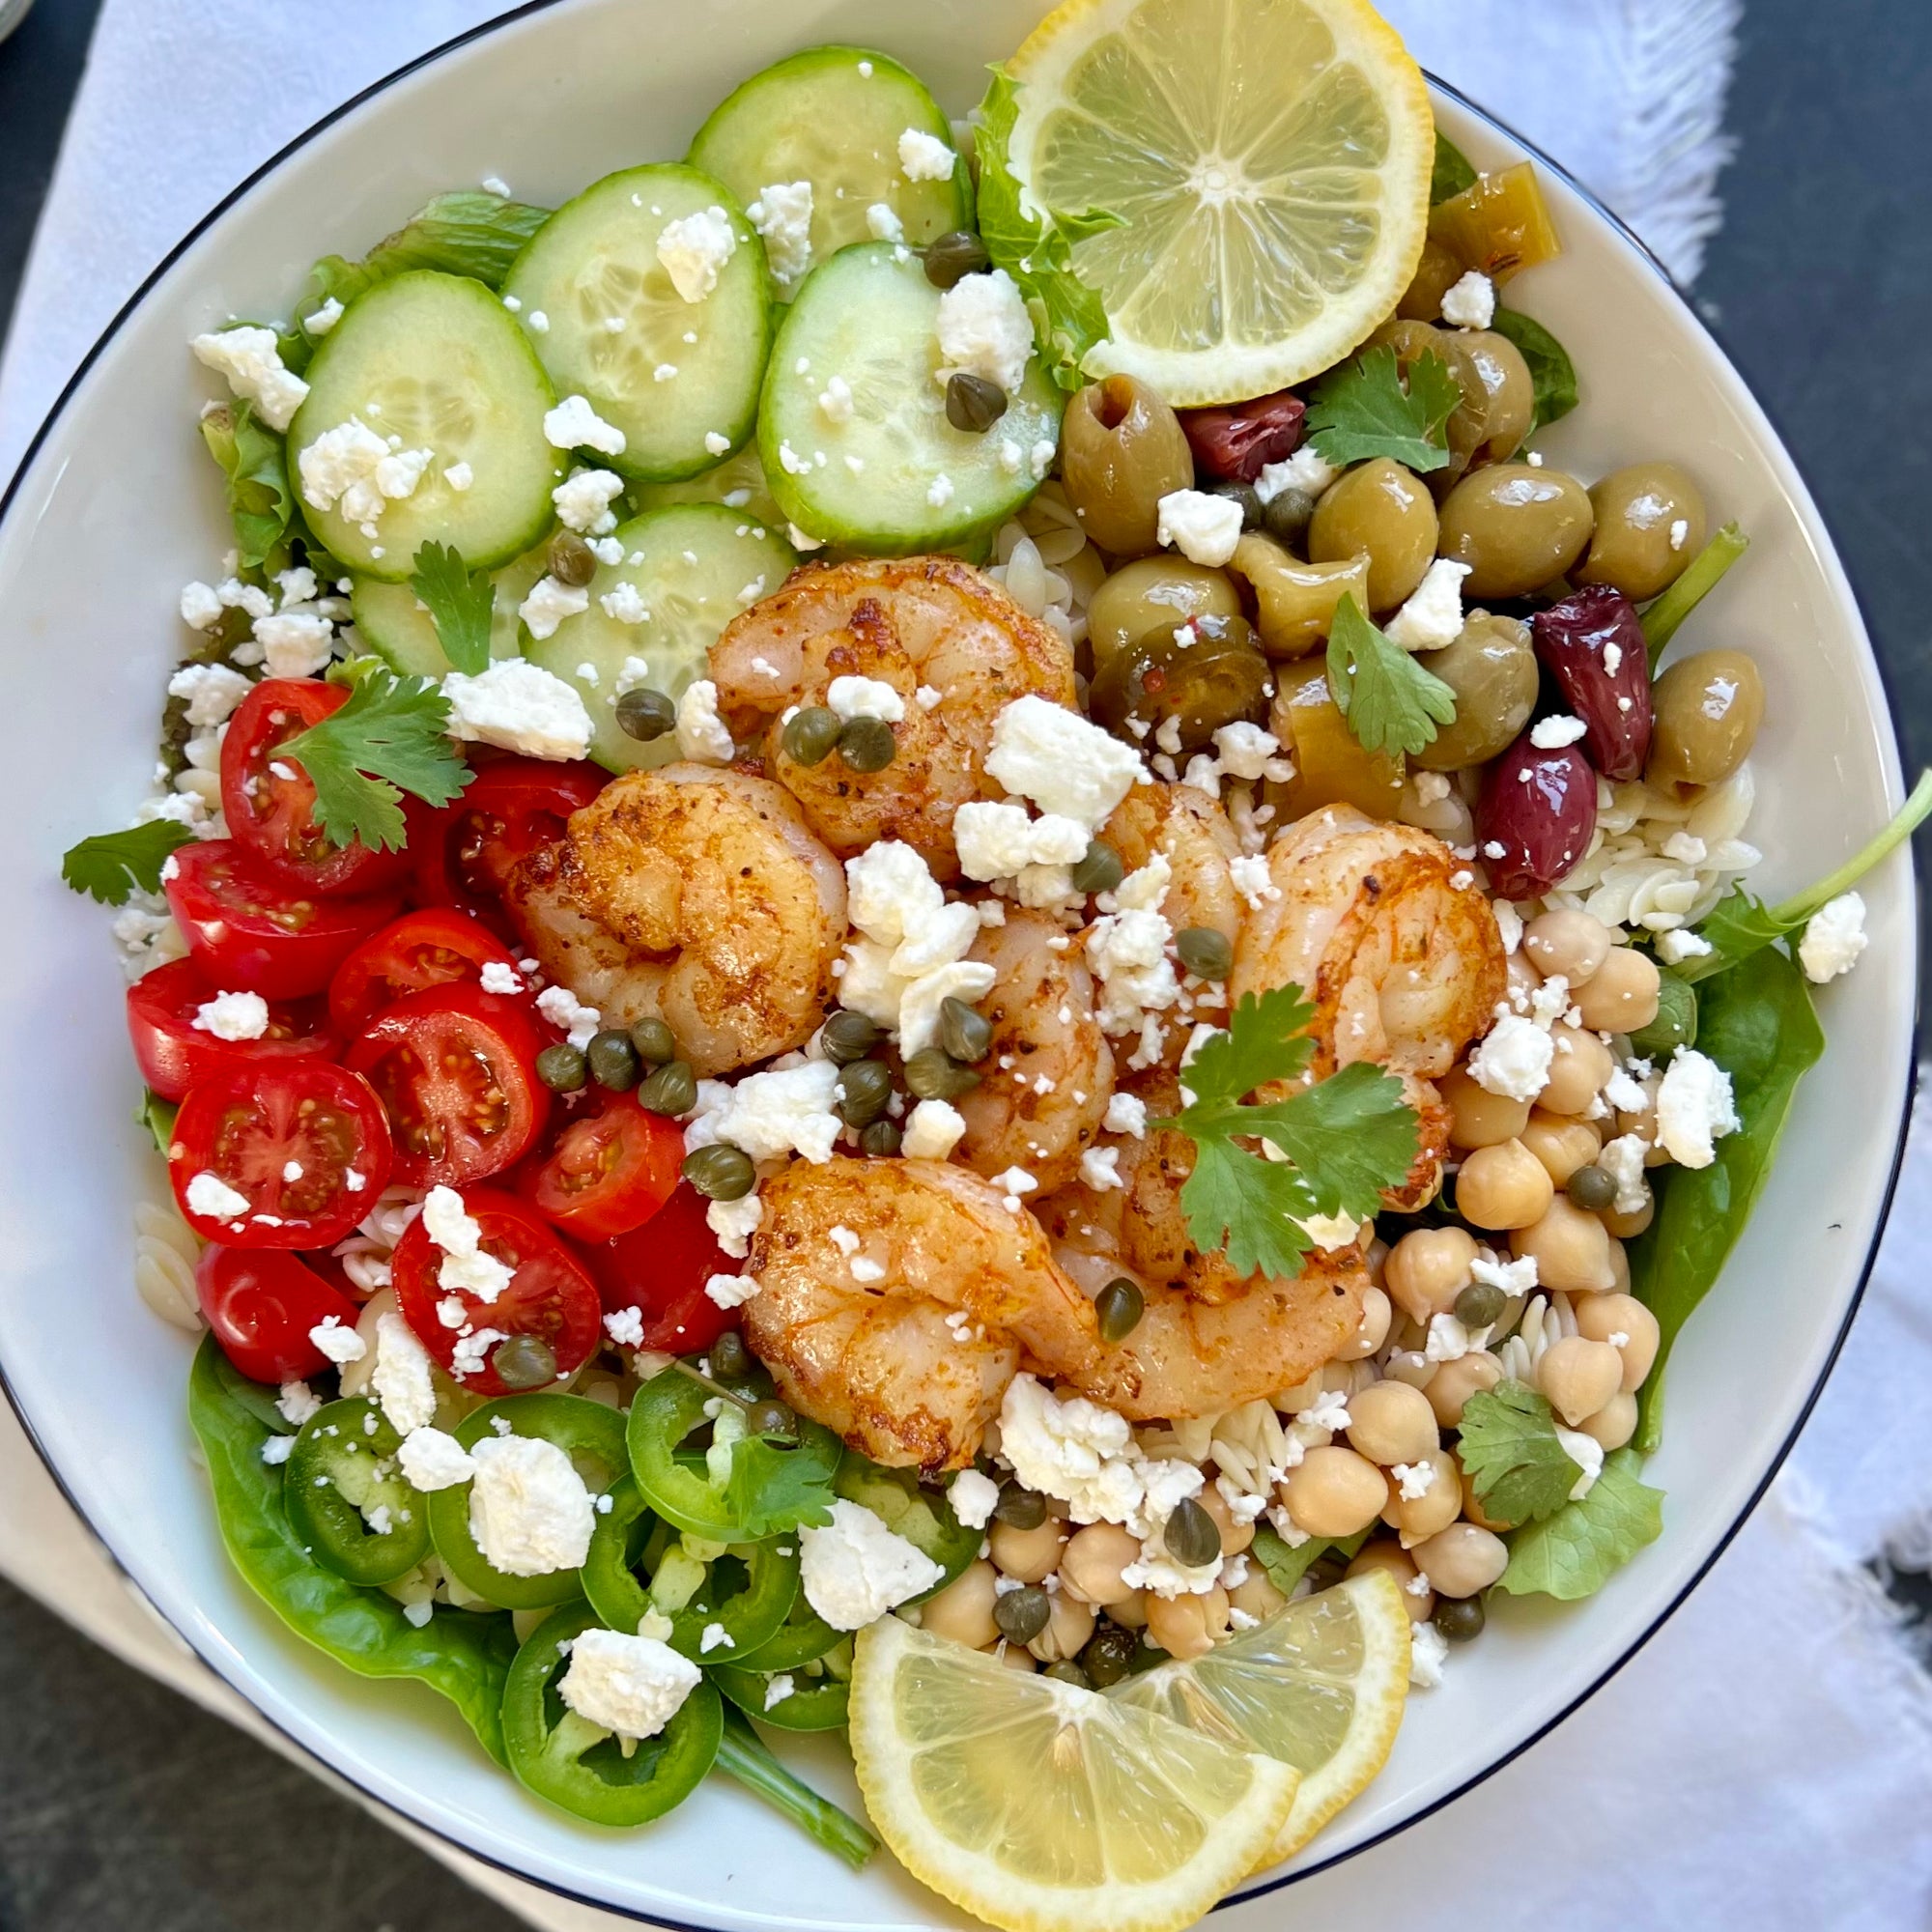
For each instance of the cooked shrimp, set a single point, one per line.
(696, 896)
(923, 622)
(1049, 1075)
(1192, 833)
(904, 1345)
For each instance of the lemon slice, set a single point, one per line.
(1042, 1807)
(1320, 1685)
(1270, 159)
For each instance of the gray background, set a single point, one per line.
(124, 1810)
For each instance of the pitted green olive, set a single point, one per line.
(1517, 525)
(1122, 450)
(1202, 674)
(1650, 523)
(1148, 593)
(1381, 510)
(1492, 669)
(1706, 711)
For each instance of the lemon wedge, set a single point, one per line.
(1270, 160)
(1321, 1684)
(1042, 1807)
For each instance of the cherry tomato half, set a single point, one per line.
(455, 1068)
(609, 1171)
(550, 1295)
(438, 946)
(247, 929)
(270, 801)
(303, 1144)
(262, 1305)
(175, 1054)
(661, 1268)
(510, 808)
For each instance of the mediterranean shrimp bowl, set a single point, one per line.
(945, 993)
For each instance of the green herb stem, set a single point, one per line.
(711, 1387)
(1700, 578)
(744, 1756)
(1911, 814)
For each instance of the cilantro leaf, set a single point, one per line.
(1574, 1553)
(1284, 1566)
(110, 864)
(1391, 703)
(1362, 410)
(770, 1489)
(1347, 1134)
(254, 461)
(1513, 1455)
(1248, 1205)
(462, 604)
(389, 738)
(1068, 317)
(1269, 1041)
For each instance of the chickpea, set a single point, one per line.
(1122, 450)
(1091, 1564)
(1643, 1120)
(1580, 1376)
(1390, 1422)
(1462, 1560)
(964, 1610)
(1452, 1385)
(1235, 1536)
(1427, 1270)
(1478, 1117)
(1627, 1227)
(1571, 1250)
(1411, 1366)
(1521, 980)
(1503, 1186)
(1600, 1316)
(1380, 509)
(1620, 1265)
(1561, 1145)
(1615, 1423)
(1372, 1330)
(1578, 1067)
(1622, 994)
(1130, 1611)
(1189, 1626)
(1383, 1555)
(1068, 1626)
(1571, 943)
(1256, 1595)
(1333, 1491)
(1435, 1508)
(1030, 1555)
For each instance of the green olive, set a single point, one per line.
(525, 1362)
(1020, 1508)
(1122, 450)
(1118, 1308)
(1410, 338)
(655, 1042)
(1109, 1654)
(671, 1090)
(847, 1037)
(1206, 952)
(966, 1035)
(881, 1140)
(1706, 710)
(1099, 871)
(1650, 523)
(956, 254)
(1517, 525)
(1022, 1614)
(561, 1068)
(1294, 602)
(1498, 398)
(571, 560)
(721, 1172)
(1478, 1304)
(612, 1059)
(1190, 1535)
(1148, 593)
(972, 403)
(935, 1075)
(1379, 509)
(1204, 674)
(1591, 1187)
(865, 1085)
(1492, 669)
(645, 715)
(1436, 274)
(1459, 1619)
(866, 744)
(809, 735)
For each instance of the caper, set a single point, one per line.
(1109, 1654)
(1190, 1535)
(1285, 514)
(655, 1043)
(729, 1358)
(572, 560)
(847, 1037)
(772, 1420)
(953, 255)
(964, 1034)
(1066, 1672)
(721, 1172)
(612, 1059)
(1591, 1187)
(809, 735)
(561, 1068)
(1247, 496)
(1480, 1304)
(1205, 954)
(1022, 1614)
(1460, 1618)
(866, 744)
(865, 1085)
(1020, 1508)
(972, 403)
(1676, 1021)
(671, 1091)
(645, 715)
(881, 1140)
(525, 1362)
(1118, 1308)
(1325, 1572)
(935, 1075)
(1099, 869)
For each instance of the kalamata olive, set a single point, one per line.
(1535, 817)
(1380, 508)
(1592, 644)
(1237, 442)
(1650, 523)
(1122, 450)
(1709, 707)
(1150, 592)
(1294, 602)
(1492, 669)
(1516, 525)
(1438, 271)
(1203, 674)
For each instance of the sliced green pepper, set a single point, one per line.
(909, 1508)
(579, 1766)
(341, 1480)
(591, 1434)
(803, 1637)
(819, 1704)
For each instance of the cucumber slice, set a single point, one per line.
(595, 262)
(689, 567)
(738, 483)
(396, 626)
(870, 316)
(820, 117)
(437, 362)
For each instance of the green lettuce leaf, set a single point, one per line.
(1574, 1553)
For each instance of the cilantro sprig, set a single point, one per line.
(1363, 409)
(1391, 703)
(1342, 1140)
(460, 604)
(111, 865)
(1514, 1458)
(389, 738)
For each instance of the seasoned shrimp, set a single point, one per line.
(904, 1345)
(1192, 833)
(918, 623)
(1049, 1075)
(696, 896)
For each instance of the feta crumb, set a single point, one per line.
(1205, 529)
(731, 1290)
(1099, 1169)
(252, 360)
(521, 706)
(1307, 470)
(298, 1402)
(1622, 1159)
(715, 444)
(1675, 946)
(323, 319)
(1471, 302)
(834, 401)
(339, 1343)
(883, 224)
(211, 692)
(401, 1380)
(972, 1496)
(529, 1511)
(1551, 734)
(852, 697)
(497, 978)
(853, 1569)
(1433, 616)
(430, 1459)
(207, 1194)
(933, 1130)
(233, 1017)
(1695, 1107)
(1427, 1650)
(780, 1111)
(1514, 1057)
(575, 425)
(693, 248)
(782, 215)
(701, 735)
(352, 470)
(1834, 936)
(1063, 763)
(549, 603)
(570, 1017)
(1126, 1114)
(925, 156)
(584, 500)
(778, 1688)
(985, 329)
(632, 1685)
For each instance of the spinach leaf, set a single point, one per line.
(1756, 1022)
(253, 459)
(1553, 376)
(1452, 172)
(463, 1655)
(1286, 1567)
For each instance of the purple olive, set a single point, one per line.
(1535, 817)
(1237, 442)
(1592, 644)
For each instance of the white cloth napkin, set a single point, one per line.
(1767, 1760)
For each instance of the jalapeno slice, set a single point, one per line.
(581, 1768)
(801, 1638)
(910, 1509)
(805, 1704)
(588, 1433)
(346, 1500)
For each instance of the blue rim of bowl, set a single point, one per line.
(483, 31)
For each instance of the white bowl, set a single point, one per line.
(116, 506)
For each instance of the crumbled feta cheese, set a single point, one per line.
(850, 698)
(702, 734)
(400, 1382)
(201, 609)
(778, 1688)
(211, 692)
(529, 1511)
(1126, 1114)
(1433, 616)
(1071, 1449)
(1513, 1277)
(584, 500)
(1622, 1159)
(1695, 1107)
(891, 891)
(731, 1290)
(565, 1012)
(1551, 734)
(782, 215)
(430, 1459)
(252, 360)
(298, 1402)
(339, 1343)
(233, 1017)
(494, 976)
(1099, 1169)
(625, 1326)
(549, 603)
(575, 425)
(1675, 946)
(1205, 529)
(1514, 1057)
(1059, 761)
(972, 1496)
(925, 156)
(920, 1003)
(1427, 1652)
(1250, 876)
(277, 1450)
(1246, 751)
(939, 493)
(295, 643)
(521, 706)
(1680, 532)
(323, 319)
(459, 476)
(785, 1110)
(853, 1569)
(715, 444)
(933, 1130)
(1834, 936)
(996, 839)
(1470, 301)
(714, 1636)
(632, 1685)
(212, 1196)
(693, 248)
(984, 330)
(624, 604)
(350, 469)
(1307, 470)
(883, 224)
(834, 401)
